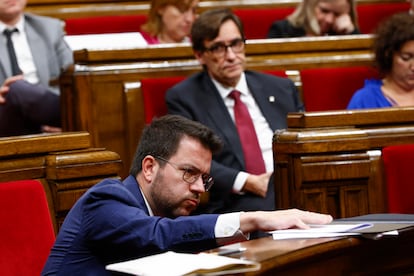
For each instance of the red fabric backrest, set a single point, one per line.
(153, 94)
(104, 24)
(370, 15)
(398, 165)
(26, 230)
(332, 88)
(256, 22)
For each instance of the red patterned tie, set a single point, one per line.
(251, 149)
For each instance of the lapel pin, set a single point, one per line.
(272, 99)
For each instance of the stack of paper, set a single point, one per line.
(175, 264)
(320, 231)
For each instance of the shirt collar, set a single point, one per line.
(19, 25)
(225, 91)
(150, 212)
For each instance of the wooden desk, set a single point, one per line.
(333, 256)
(102, 95)
(330, 162)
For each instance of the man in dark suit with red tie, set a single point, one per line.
(243, 177)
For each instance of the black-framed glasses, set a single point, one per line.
(220, 48)
(190, 175)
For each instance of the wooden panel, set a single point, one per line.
(353, 200)
(134, 120)
(10, 146)
(338, 161)
(314, 199)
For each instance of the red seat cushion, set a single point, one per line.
(256, 22)
(332, 88)
(153, 94)
(370, 15)
(104, 24)
(398, 165)
(26, 230)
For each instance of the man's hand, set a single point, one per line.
(257, 184)
(4, 89)
(278, 220)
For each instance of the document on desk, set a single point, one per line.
(321, 231)
(117, 41)
(175, 264)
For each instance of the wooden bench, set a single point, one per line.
(66, 164)
(331, 161)
(101, 94)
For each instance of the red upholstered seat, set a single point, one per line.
(26, 230)
(398, 166)
(332, 88)
(256, 22)
(153, 94)
(104, 24)
(154, 89)
(370, 15)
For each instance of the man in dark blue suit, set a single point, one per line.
(218, 44)
(148, 212)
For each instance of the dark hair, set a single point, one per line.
(162, 137)
(207, 26)
(391, 35)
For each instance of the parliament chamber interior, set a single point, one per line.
(329, 159)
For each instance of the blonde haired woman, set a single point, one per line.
(317, 18)
(169, 21)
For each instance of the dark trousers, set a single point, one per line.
(27, 108)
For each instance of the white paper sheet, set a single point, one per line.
(320, 231)
(106, 41)
(175, 264)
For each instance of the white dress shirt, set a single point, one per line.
(260, 124)
(23, 53)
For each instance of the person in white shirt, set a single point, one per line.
(29, 93)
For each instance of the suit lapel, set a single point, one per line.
(5, 63)
(265, 99)
(39, 51)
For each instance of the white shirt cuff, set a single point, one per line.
(239, 182)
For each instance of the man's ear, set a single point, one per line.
(149, 168)
(199, 56)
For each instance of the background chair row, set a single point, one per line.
(322, 88)
(256, 20)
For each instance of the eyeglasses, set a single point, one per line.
(190, 175)
(220, 48)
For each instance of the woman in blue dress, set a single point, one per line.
(394, 58)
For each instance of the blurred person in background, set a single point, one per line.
(318, 18)
(32, 56)
(169, 21)
(394, 59)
